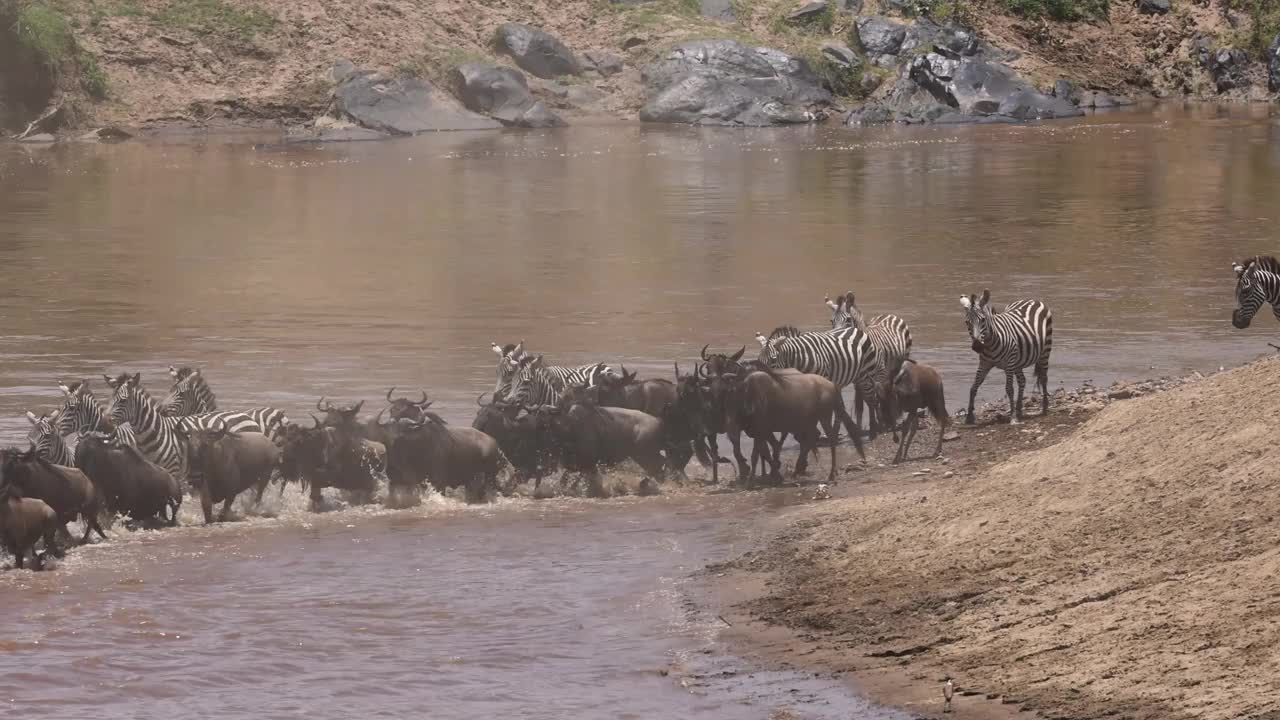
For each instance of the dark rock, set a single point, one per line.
(1228, 67)
(869, 83)
(536, 52)
(1099, 100)
(879, 36)
(341, 70)
(1065, 90)
(634, 41)
(723, 82)
(904, 8)
(841, 55)
(503, 94)
(1273, 64)
(871, 115)
(1153, 7)
(401, 106)
(716, 9)
(602, 61)
(853, 6)
(809, 11)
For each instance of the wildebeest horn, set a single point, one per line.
(738, 355)
(702, 371)
(704, 352)
(423, 402)
(377, 419)
(479, 398)
(322, 406)
(389, 392)
(677, 365)
(316, 419)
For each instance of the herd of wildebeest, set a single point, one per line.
(136, 457)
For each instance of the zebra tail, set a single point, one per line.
(850, 428)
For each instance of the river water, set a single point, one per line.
(341, 270)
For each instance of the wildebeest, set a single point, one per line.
(448, 457)
(657, 397)
(228, 463)
(23, 522)
(406, 409)
(323, 457)
(522, 436)
(130, 483)
(590, 437)
(783, 401)
(916, 386)
(65, 489)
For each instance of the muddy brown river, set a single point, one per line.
(340, 270)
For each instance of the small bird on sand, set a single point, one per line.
(948, 690)
(822, 492)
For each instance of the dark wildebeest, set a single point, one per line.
(23, 522)
(130, 483)
(406, 409)
(522, 436)
(323, 457)
(228, 463)
(916, 386)
(657, 397)
(590, 437)
(65, 489)
(448, 457)
(371, 435)
(788, 402)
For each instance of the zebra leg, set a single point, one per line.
(1022, 388)
(858, 401)
(1042, 377)
(1008, 388)
(983, 369)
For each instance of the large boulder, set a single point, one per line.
(602, 61)
(723, 82)
(879, 36)
(1273, 64)
(536, 52)
(502, 94)
(400, 105)
(1153, 7)
(1229, 68)
(808, 12)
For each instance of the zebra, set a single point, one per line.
(194, 404)
(47, 441)
(160, 439)
(82, 413)
(889, 334)
(535, 383)
(845, 356)
(1020, 336)
(1257, 282)
(509, 357)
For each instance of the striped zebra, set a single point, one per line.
(1018, 337)
(509, 358)
(48, 442)
(1257, 282)
(845, 356)
(82, 413)
(889, 335)
(536, 383)
(160, 439)
(194, 404)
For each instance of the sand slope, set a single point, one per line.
(1131, 569)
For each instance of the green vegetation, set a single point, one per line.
(820, 23)
(215, 17)
(1265, 23)
(44, 33)
(92, 78)
(1058, 9)
(843, 81)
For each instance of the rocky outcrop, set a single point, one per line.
(723, 82)
(941, 87)
(1094, 99)
(1153, 7)
(841, 55)
(1229, 68)
(808, 12)
(502, 94)
(536, 52)
(881, 39)
(602, 62)
(1273, 64)
(400, 105)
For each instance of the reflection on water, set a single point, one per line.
(342, 270)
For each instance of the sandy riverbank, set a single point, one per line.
(1115, 559)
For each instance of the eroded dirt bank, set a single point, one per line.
(1125, 567)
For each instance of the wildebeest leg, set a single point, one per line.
(51, 543)
(595, 483)
(831, 430)
(984, 368)
(19, 555)
(226, 509)
(735, 439)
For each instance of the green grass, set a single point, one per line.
(92, 79)
(215, 17)
(44, 32)
(1058, 9)
(819, 24)
(1265, 23)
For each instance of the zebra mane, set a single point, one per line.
(1265, 263)
(784, 331)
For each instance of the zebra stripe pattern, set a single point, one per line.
(1018, 337)
(158, 437)
(48, 441)
(845, 356)
(535, 383)
(509, 359)
(192, 401)
(889, 335)
(81, 413)
(1257, 282)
